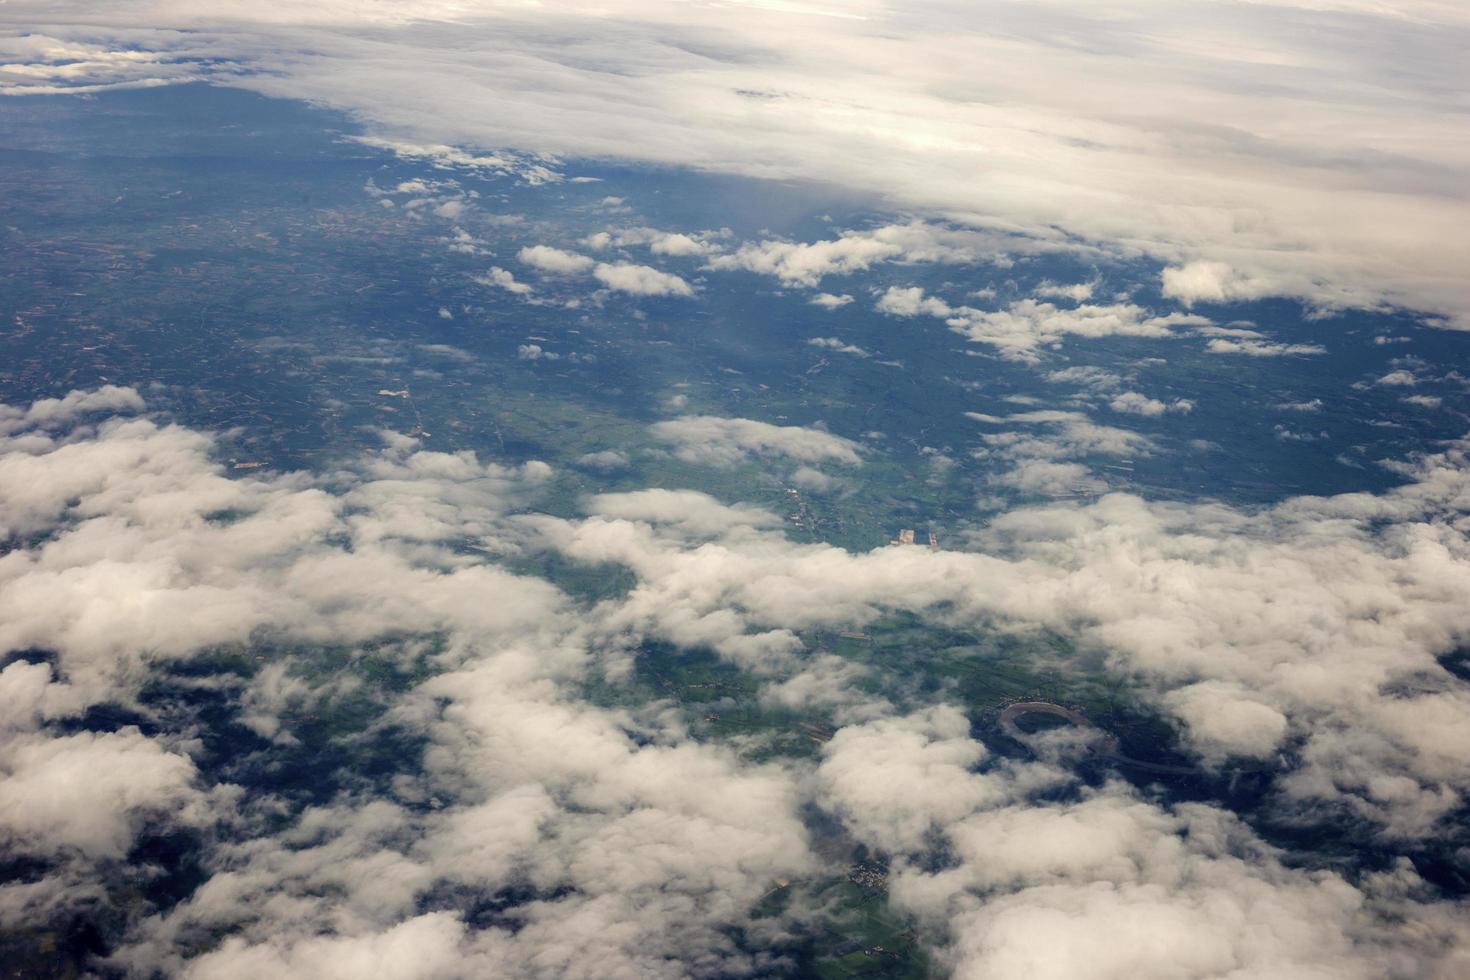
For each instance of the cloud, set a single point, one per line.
(670, 243)
(92, 793)
(605, 460)
(420, 948)
(1306, 611)
(807, 263)
(640, 280)
(1073, 433)
(1077, 292)
(623, 277)
(829, 301)
(1261, 348)
(1027, 324)
(503, 279)
(51, 412)
(534, 352)
(692, 512)
(838, 345)
(607, 840)
(1250, 175)
(894, 779)
(726, 442)
(814, 480)
(911, 301)
(1100, 882)
(1208, 282)
(1047, 478)
(554, 260)
(1135, 403)
(637, 849)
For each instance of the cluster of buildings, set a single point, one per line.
(906, 536)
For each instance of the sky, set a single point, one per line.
(1230, 151)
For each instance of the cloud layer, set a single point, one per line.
(1304, 149)
(614, 844)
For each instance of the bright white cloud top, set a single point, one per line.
(1302, 149)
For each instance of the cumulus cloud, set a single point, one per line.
(1077, 292)
(1070, 434)
(1025, 325)
(622, 277)
(725, 442)
(51, 412)
(640, 280)
(1303, 634)
(670, 243)
(92, 792)
(1048, 478)
(1304, 611)
(1261, 348)
(534, 352)
(1213, 282)
(838, 345)
(504, 279)
(1103, 884)
(555, 260)
(814, 480)
(1137, 403)
(604, 460)
(641, 853)
(690, 511)
(807, 263)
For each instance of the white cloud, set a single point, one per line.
(503, 279)
(534, 352)
(605, 460)
(1027, 324)
(640, 280)
(1250, 175)
(92, 792)
(554, 260)
(814, 480)
(1048, 478)
(830, 301)
(838, 345)
(911, 301)
(643, 852)
(692, 512)
(1136, 403)
(725, 442)
(1309, 628)
(1104, 884)
(807, 263)
(1071, 434)
(50, 412)
(1077, 292)
(671, 243)
(1261, 348)
(1308, 609)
